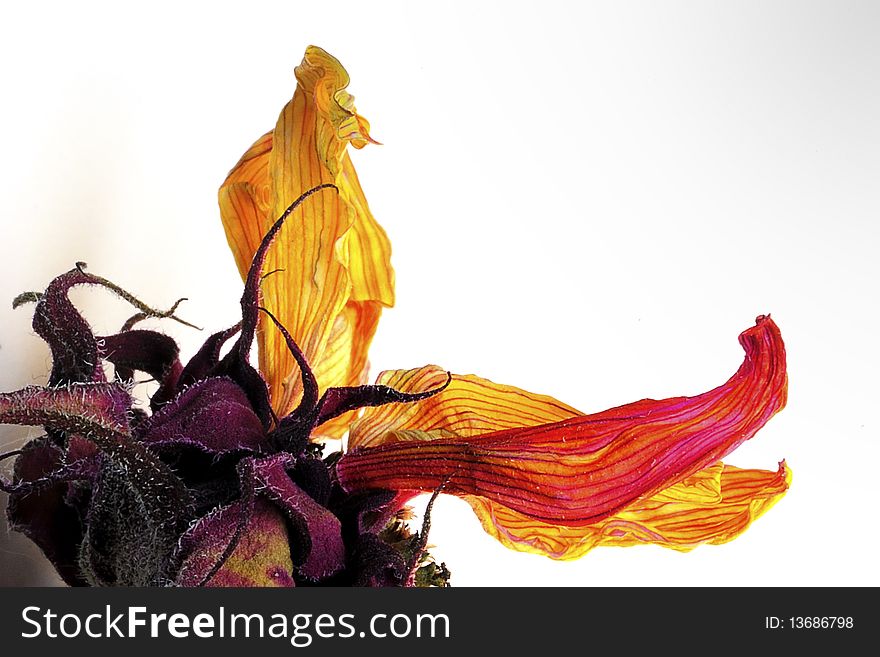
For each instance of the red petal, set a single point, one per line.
(577, 471)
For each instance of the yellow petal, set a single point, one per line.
(334, 259)
(245, 203)
(344, 360)
(468, 406)
(713, 506)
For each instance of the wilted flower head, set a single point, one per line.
(224, 482)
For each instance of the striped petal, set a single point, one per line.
(467, 407)
(580, 470)
(713, 506)
(681, 517)
(332, 260)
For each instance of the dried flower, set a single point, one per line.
(224, 481)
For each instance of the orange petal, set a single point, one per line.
(468, 406)
(578, 471)
(245, 199)
(344, 360)
(334, 259)
(713, 506)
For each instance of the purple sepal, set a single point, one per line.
(77, 408)
(139, 508)
(214, 415)
(146, 351)
(58, 322)
(375, 563)
(236, 367)
(44, 514)
(206, 358)
(337, 401)
(261, 556)
(316, 545)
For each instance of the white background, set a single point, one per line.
(586, 200)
